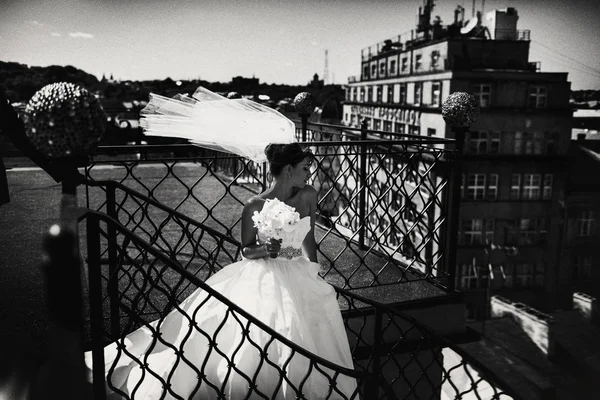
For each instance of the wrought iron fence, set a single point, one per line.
(383, 210)
(394, 357)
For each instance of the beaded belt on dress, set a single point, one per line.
(289, 253)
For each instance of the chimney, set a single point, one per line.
(587, 307)
(537, 325)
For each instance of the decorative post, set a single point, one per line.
(362, 194)
(63, 122)
(460, 111)
(304, 102)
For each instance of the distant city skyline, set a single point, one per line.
(277, 41)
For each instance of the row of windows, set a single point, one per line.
(396, 94)
(522, 187)
(517, 275)
(522, 231)
(537, 95)
(529, 143)
(384, 68)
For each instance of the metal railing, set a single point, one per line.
(382, 197)
(138, 284)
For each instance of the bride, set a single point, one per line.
(203, 350)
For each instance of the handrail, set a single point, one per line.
(161, 206)
(90, 214)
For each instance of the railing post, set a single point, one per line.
(454, 207)
(373, 390)
(96, 312)
(63, 281)
(304, 118)
(363, 186)
(112, 285)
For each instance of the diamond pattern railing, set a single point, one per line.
(394, 356)
(382, 209)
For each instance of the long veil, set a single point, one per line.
(238, 126)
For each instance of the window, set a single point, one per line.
(435, 57)
(390, 94)
(538, 138)
(475, 186)
(382, 69)
(414, 129)
(379, 93)
(518, 142)
(547, 188)
(404, 64)
(403, 93)
(399, 127)
(387, 126)
(393, 67)
(527, 231)
(586, 223)
(542, 226)
(354, 94)
(370, 94)
(582, 268)
(537, 97)
(436, 93)
(430, 132)
(377, 125)
(477, 142)
(468, 276)
(550, 143)
(494, 141)
(353, 119)
(418, 92)
(489, 231)
(523, 274)
(492, 187)
(473, 231)
(362, 94)
(515, 187)
(396, 200)
(373, 71)
(527, 143)
(483, 94)
(531, 186)
(418, 62)
(540, 270)
(366, 72)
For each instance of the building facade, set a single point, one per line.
(514, 171)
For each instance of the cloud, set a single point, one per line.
(81, 35)
(289, 63)
(35, 23)
(314, 43)
(55, 34)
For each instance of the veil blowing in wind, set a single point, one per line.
(207, 119)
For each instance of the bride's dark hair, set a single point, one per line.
(280, 155)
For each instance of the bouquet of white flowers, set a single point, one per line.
(275, 220)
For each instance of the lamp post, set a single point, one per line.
(304, 103)
(63, 122)
(460, 111)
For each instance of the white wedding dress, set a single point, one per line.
(285, 293)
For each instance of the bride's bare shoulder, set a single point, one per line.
(308, 192)
(254, 203)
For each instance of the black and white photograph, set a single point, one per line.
(281, 200)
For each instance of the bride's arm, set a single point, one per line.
(309, 244)
(250, 249)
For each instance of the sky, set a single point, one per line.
(277, 41)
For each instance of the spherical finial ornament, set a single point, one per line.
(64, 120)
(233, 95)
(304, 103)
(460, 110)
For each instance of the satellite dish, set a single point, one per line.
(471, 24)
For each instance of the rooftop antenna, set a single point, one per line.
(326, 70)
